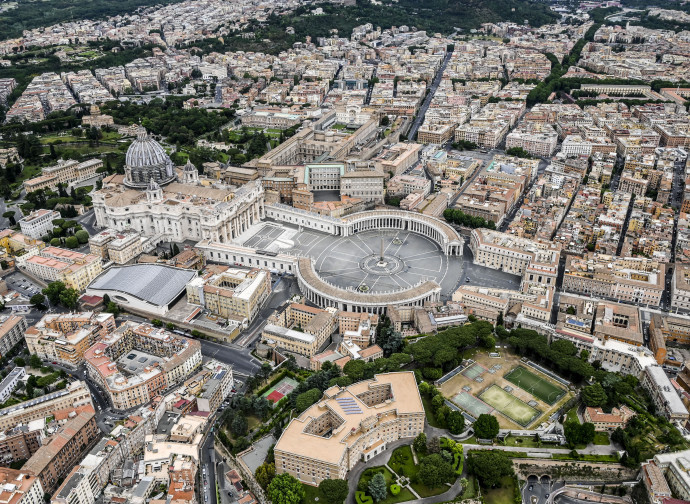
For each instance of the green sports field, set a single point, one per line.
(512, 407)
(535, 385)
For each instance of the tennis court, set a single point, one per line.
(280, 389)
(517, 410)
(471, 404)
(535, 385)
(474, 371)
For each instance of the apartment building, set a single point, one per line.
(675, 468)
(76, 394)
(20, 487)
(218, 385)
(663, 394)
(38, 223)
(408, 184)
(537, 139)
(618, 322)
(636, 280)
(366, 185)
(12, 329)
(54, 461)
(349, 425)
(360, 328)
(65, 172)
(121, 247)
(74, 269)
(234, 293)
(21, 442)
(505, 252)
(80, 487)
(66, 337)
(9, 383)
(136, 361)
(680, 286)
(655, 482)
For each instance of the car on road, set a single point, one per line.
(547, 496)
(530, 488)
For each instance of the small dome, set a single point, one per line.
(189, 166)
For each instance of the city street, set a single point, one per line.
(425, 105)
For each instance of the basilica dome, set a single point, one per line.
(146, 160)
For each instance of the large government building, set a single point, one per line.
(348, 425)
(157, 199)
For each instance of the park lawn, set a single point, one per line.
(407, 466)
(586, 458)
(572, 415)
(521, 441)
(469, 440)
(502, 494)
(471, 490)
(339, 126)
(311, 494)
(404, 494)
(601, 438)
(430, 415)
(425, 491)
(253, 421)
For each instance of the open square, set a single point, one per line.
(537, 386)
(511, 406)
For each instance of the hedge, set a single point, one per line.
(395, 489)
(362, 498)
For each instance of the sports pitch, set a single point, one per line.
(535, 385)
(512, 407)
(280, 390)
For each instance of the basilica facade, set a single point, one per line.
(157, 199)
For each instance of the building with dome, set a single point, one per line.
(146, 160)
(174, 204)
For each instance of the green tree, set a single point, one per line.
(18, 361)
(419, 443)
(54, 290)
(486, 426)
(38, 300)
(35, 362)
(434, 470)
(377, 487)
(82, 236)
(265, 474)
(455, 422)
(112, 308)
(489, 466)
(594, 395)
(239, 425)
(285, 489)
(10, 216)
(71, 242)
(306, 399)
(55, 242)
(69, 298)
(334, 490)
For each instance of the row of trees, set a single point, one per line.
(455, 216)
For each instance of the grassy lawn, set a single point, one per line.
(471, 490)
(339, 126)
(424, 491)
(404, 494)
(522, 441)
(402, 462)
(469, 440)
(501, 495)
(588, 458)
(572, 415)
(430, 415)
(311, 493)
(253, 422)
(601, 438)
